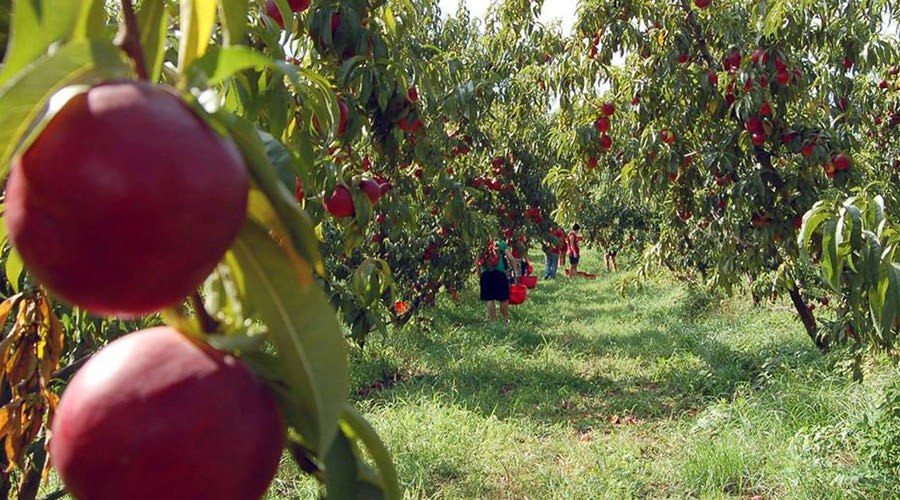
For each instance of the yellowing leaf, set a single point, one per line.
(197, 20)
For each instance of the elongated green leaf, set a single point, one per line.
(340, 469)
(284, 161)
(219, 64)
(234, 21)
(153, 21)
(851, 218)
(36, 24)
(363, 431)
(831, 261)
(891, 306)
(294, 221)
(14, 268)
(23, 98)
(303, 327)
(812, 219)
(197, 20)
(92, 21)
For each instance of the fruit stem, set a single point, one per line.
(129, 40)
(207, 322)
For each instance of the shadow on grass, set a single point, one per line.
(554, 365)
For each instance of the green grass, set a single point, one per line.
(591, 395)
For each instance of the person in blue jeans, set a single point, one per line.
(550, 247)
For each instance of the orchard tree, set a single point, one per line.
(155, 171)
(731, 120)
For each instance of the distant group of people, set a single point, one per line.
(501, 265)
(560, 245)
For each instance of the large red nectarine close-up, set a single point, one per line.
(126, 200)
(156, 415)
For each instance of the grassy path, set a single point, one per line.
(591, 395)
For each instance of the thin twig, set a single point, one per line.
(67, 371)
(129, 40)
(56, 494)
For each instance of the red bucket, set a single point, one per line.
(529, 281)
(517, 294)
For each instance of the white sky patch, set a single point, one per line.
(562, 10)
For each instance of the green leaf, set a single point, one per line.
(197, 20)
(92, 20)
(37, 24)
(340, 469)
(14, 268)
(831, 262)
(303, 327)
(219, 64)
(284, 161)
(295, 223)
(23, 98)
(352, 421)
(153, 21)
(891, 305)
(812, 219)
(234, 21)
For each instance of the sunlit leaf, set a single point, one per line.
(303, 327)
(234, 21)
(23, 98)
(153, 23)
(197, 20)
(36, 24)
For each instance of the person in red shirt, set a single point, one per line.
(561, 249)
(573, 250)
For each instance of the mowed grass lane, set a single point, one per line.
(588, 394)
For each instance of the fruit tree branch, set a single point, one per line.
(66, 372)
(691, 19)
(129, 40)
(207, 322)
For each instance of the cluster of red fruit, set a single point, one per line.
(594, 46)
(410, 122)
(759, 58)
(429, 252)
(340, 203)
(602, 124)
(123, 205)
(492, 184)
(491, 256)
(885, 85)
(340, 30)
(401, 307)
(463, 148)
(534, 214)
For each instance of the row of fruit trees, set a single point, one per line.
(280, 179)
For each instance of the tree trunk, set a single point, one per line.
(29, 483)
(808, 320)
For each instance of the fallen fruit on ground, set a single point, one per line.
(126, 200)
(157, 415)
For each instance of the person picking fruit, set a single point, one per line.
(494, 286)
